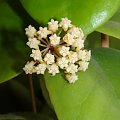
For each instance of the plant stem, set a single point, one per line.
(32, 94)
(104, 40)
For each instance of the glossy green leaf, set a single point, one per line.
(12, 47)
(86, 14)
(8, 20)
(7, 70)
(95, 96)
(112, 27)
(114, 43)
(12, 58)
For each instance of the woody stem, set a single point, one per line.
(104, 40)
(32, 94)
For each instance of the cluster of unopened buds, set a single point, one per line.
(58, 46)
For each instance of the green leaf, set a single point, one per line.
(13, 55)
(95, 96)
(112, 27)
(8, 20)
(13, 52)
(86, 14)
(7, 70)
(114, 43)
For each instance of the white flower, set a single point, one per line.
(72, 68)
(60, 45)
(29, 67)
(78, 42)
(49, 58)
(83, 65)
(76, 32)
(68, 38)
(73, 57)
(64, 51)
(88, 55)
(36, 54)
(65, 24)
(54, 39)
(53, 69)
(82, 54)
(43, 32)
(81, 33)
(30, 31)
(62, 62)
(40, 68)
(53, 25)
(72, 78)
(33, 43)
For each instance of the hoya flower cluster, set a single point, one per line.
(58, 46)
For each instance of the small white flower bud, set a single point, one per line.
(72, 78)
(49, 58)
(36, 54)
(53, 69)
(83, 65)
(30, 31)
(72, 68)
(29, 67)
(62, 62)
(43, 32)
(65, 24)
(33, 43)
(68, 38)
(64, 51)
(53, 25)
(54, 39)
(40, 68)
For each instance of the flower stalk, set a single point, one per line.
(34, 109)
(104, 40)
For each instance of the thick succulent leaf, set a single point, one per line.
(95, 96)
(112, 27)
(8, 20)
(86, 14)
(7, 64)
(12, 57)
(114, 43)
(12, 46)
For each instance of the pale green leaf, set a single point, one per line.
(86, 14)
(112, 27)
(12, 47)
(95, 96)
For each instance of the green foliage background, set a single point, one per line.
(95, 96)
